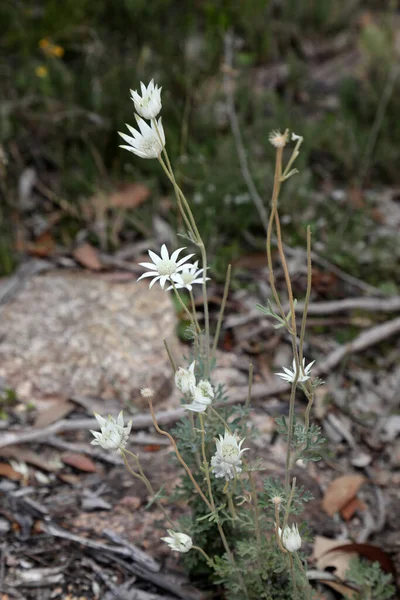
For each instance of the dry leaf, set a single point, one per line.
(57, 410)
(130, 196)
(79, 461)
(87, 256)
(6, 470)
(350, 508)
(341, 588)
(43, 246)
(340, 491)
(325, 555)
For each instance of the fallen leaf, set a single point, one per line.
(43, 245)
(6, 470)
(327, 557)
(350, 508)
(87, 256)
(372, 553)
(152, 448)
(132, 502)
(340, 491)
(130, 196)
(79, 461)
(58, 409)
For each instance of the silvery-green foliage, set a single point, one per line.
(370, 580)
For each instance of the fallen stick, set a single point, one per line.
(380, 305)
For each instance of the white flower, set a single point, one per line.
(147, 392)
(278, 139)
(227, 459)
(113, 435)
(185, 379)
(149, 104)
(164, 266)
(295, 137)
(290, 538)
(146, 143)
(203, 395)
(289, 374)
(189, 275)
(180, 542)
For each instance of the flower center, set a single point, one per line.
(229, 451)
(187, 278)
(166, 267)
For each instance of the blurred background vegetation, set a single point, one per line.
(329, 70)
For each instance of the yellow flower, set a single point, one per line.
(57, 51)
(41, 71)
(44, 43)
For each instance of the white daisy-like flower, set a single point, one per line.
(202, 396)
(113, 435)
(278, 139)
(189, 275)
(227, 459)
(185, 379)
(290, 374)
(290, 538)
(148, 105)
(180, 542)
(146, 143)
(164, 266)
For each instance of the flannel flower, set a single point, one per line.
(189, 275)
(113, 435)
(148, 105)
(289, 375)
(185, 379)
(227, 459)
(164, 266)
(146, 143)
(290, 538)
(202, 396)
(180, 542)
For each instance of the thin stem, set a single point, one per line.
(194, 312)
(170, 356)
(307, 583)
(277, 527)
(222, 310)
(290, 426)
(177, 195)
(307, 299)
(183, 305)
(178, 456)
(205, 462)
(275, 194)
(287, 511)
(293, 576)
(146, 482)
(250, 385)
(206, 314)
(208, 559)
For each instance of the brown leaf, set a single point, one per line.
(372, 553)
(343, 589)
(79, 461)
(55, 411)
(6, 470)
(326, 556)
(350, 508)
(87, 255)
(340, 491)
(130, 196)
(43, 246)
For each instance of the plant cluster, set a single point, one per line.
(247, 538)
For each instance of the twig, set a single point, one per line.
(331, 307)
